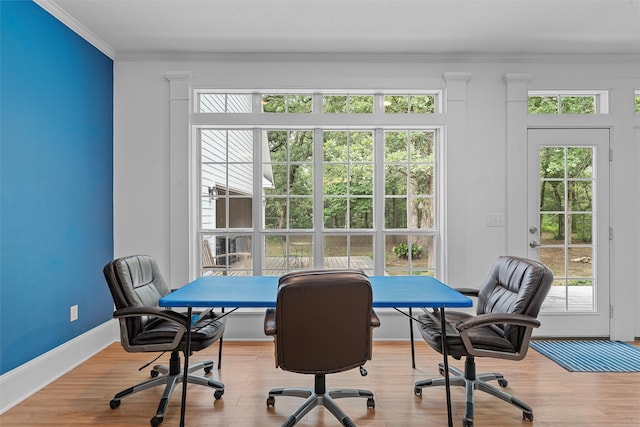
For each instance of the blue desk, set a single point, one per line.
(261, 292)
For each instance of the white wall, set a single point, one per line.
(141, 158)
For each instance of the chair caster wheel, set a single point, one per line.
(417, 391)
(371, 404)
(154, 373)
(156, 421)
(218, 394)
(527, 416)
(114, 404)
(207, 369)
(271, 401)
(502, 382)
(467, 422)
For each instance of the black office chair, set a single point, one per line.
(322, 324)
(136, 286)
(507, 307)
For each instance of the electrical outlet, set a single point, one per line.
(495, 220)
(73, 312)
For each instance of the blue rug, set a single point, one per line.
(591, 356)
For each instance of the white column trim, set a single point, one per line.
(516, 195)
(454, 155)
(180, 248)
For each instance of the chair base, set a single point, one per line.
(320, 396)
(471, 382)
(170, 377)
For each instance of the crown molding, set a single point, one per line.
(68, 20)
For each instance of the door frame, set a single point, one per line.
(577, 324)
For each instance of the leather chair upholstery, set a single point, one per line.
(137, 285)
(322, 324)
(508, 303)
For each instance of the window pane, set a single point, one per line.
(396, 147)
(395, 179)
(224, 103)
(300, 146)
(577, 105)
(422, 146)
(277, 140)
(395, 212)
(361, 181)
(580, 194)
(301, 212)
(280, 180)
(335, 212)
(422, 104)
(361, 146)
(301, 179)
(335, 179)
(300, 103)
(361, 212)
(581, 228)
(274, 103)
(396, 104)
(422, 215)
(552, 196)
(240, 146)
(551, 229)
(274, 213)
(334, 104)
(637, 104)
(361, 104)
(335, 146)
(543, 105)
(421, 180)
(579, 162)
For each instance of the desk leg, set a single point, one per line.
(446, 365)
(185, 379)
(413, 350)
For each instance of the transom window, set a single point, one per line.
(568, 102)
(277, 198)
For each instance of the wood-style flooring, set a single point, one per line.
(558, 397)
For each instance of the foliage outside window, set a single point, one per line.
(357, 104)
(409, 104)
(567, 103)
(637, 102)
(291, 103)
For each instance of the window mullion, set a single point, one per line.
(378, 201)
(318, 199)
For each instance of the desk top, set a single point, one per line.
(260, 292)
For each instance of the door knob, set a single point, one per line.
(533, 244)
(533, 229)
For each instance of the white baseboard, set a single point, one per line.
(25, 380)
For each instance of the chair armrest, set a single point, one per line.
(270, 322)
(151, 311)
(375, 320)
(497, 318)
(470, 292)
(492, 319)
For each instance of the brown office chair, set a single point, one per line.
(136, 286)
(322, 324)
(506, 310)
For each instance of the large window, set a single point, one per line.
(296, 180)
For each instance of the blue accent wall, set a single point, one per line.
(56, 182)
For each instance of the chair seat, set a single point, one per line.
(485, 337)
(203, 334)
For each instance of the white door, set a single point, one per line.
(568, 227)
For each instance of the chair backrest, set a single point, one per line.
(517, 286)
(323, 321)
(135, 281)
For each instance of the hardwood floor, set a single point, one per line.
(558, 397)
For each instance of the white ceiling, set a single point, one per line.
(438, 27)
